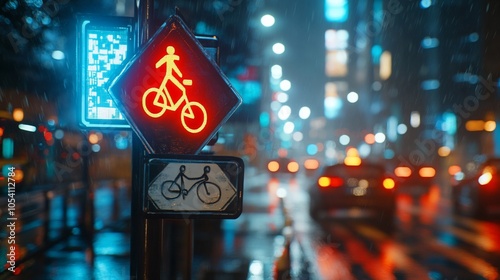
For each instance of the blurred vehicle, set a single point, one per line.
(414, 180)
(283, 165)
(479, 195)
(353, 184)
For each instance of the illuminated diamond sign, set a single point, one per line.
(174, 96)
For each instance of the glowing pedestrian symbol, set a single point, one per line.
(163, 100)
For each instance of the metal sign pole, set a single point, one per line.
(153, 240)
(162, 218)
(138, 224)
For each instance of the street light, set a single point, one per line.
(304, 113)
(267, 20)
(285, 85)
(278, 48)
(276, 71)
(352, 97)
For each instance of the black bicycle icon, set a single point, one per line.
(207, 192)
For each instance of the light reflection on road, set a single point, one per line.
(427, 241)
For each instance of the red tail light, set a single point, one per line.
(326, 182)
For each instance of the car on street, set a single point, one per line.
(353, 184)
(414, 180)
(283, 165)
(478, 196)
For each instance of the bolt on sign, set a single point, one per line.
(193, 186)
(172, 93)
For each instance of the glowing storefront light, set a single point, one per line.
(336, 43)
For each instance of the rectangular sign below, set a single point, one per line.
(187, 187)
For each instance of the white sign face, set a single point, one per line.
(191, 187)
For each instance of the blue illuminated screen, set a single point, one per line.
(104, 48)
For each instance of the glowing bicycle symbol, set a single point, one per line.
(163, 101)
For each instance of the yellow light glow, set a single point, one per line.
(385, 65)
(370, 138)
(324, 182)
(427, 172)
(273, 166)
(18, 114)
(352, 161)
(93, 138)
(490, 126)
(454, 169)
(352, 152)
(336, 63)
(444, 151)
(293, 166)
(19, 175)
(311, 164)
(402, 171)
(485, 178)
(389, 183)
(474, 125)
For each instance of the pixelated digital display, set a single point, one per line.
(104, 46)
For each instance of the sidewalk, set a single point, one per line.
(244, 248)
